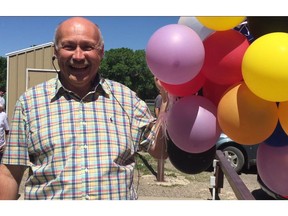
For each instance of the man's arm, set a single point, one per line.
(159, 149)
(157, 111)
(10, 179)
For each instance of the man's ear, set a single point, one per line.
(55, 52)
(101, 52)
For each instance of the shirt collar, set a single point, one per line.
(98, 88)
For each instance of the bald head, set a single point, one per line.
(78, 25)
(79, 51)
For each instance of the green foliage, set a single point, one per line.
(129, 68)
(3, 72)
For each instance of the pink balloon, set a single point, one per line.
(272, 162)
(185, 89)
(192, 124)
(175, 54)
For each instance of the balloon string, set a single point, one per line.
(163, 116)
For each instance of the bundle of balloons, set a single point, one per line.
(225, 80)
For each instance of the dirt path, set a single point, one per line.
(182, 186)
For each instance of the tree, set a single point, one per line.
(3, 72)
(129, 68)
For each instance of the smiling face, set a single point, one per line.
(78, 53)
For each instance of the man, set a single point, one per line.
(158, 99)
(2, 97)
(157, 105)
(78, 133)
(4, 129)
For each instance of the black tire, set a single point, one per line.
(235, 157)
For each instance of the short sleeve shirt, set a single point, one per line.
(158, 101)
(2, 101)
(4, 126)
(77, 148)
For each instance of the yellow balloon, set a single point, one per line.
(220, 23)
(283, 115)
(265, 67)
(246, 118)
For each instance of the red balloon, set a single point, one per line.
(224, 51)
(214, 91)
(185, 89)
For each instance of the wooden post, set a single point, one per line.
(160, 170)
(237, 185)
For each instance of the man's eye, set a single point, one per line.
(87, 48)
(68, 47)
(71, 47)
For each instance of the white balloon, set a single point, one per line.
(194, 24)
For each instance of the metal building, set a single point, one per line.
(26, 68)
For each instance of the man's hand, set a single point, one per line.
(164, 95)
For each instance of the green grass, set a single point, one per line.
(151, 107)
(142, 168)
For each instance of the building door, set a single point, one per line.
(37, 76)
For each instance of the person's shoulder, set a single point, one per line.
(117, 86)
(159, 96)
(113, 83)
(3, 114)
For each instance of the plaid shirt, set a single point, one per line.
(78, 148)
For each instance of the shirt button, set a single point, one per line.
(87, 197)
(86, 169)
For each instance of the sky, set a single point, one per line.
(134, 32)
(123, 23)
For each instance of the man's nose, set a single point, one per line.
(78, 54)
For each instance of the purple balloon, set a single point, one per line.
(175, 54)
(192, 124)
(272, 161)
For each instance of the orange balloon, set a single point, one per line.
(283, 115)
(246, 118)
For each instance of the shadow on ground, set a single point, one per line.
(259, 194)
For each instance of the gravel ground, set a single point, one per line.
(178, 185)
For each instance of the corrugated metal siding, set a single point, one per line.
(18, 63)
(38, 76)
